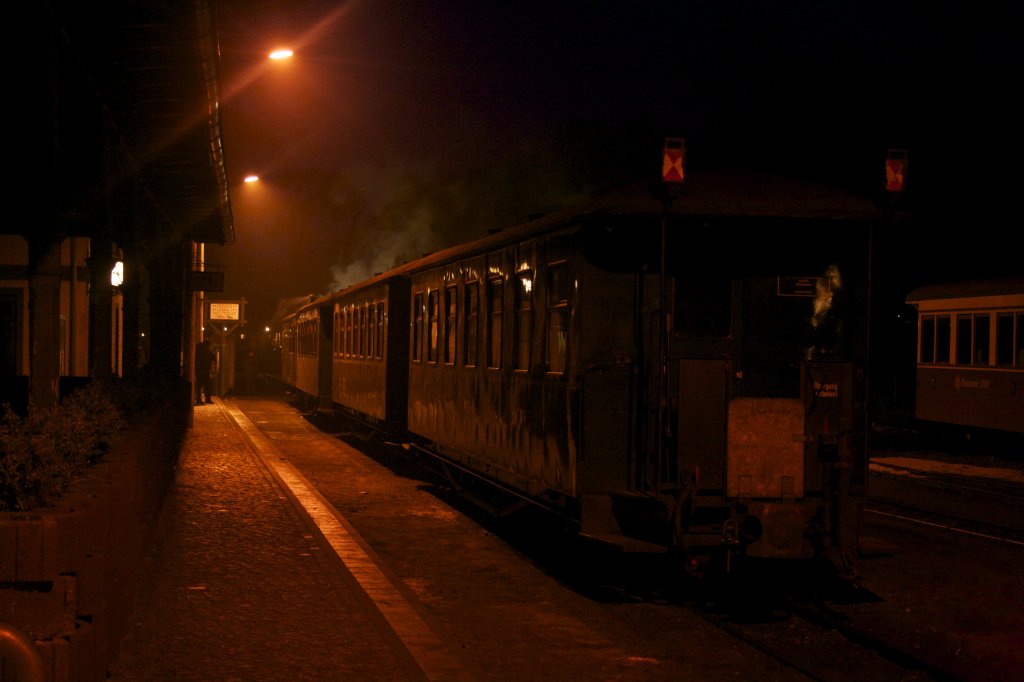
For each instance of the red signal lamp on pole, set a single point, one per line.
(896, 171)
(673, 160)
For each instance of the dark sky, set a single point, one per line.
(401, 127)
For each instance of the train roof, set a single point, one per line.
(985, 288)
(723, 195)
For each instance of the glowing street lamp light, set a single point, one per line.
(278, 55)
(251, 178)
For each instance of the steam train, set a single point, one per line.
(664, 373)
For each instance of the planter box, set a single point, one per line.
(67, 573)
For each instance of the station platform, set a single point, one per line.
(237, 585)
(964, 467)
(252, 575)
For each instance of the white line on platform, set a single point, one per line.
(424, 646)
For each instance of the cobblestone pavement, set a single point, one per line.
(236, 586)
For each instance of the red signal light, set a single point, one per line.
(896, 171)
(673, 160)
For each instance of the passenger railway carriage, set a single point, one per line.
(684, 373)
(369, 362)
(970, 354)
(300, 335)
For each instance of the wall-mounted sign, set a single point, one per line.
(224, 311)
(797, 286)
(206, 280)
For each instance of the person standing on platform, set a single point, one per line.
(204, 373)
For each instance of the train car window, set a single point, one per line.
(524, 318)
(353, 330)
(334, 333)
(982, 336)
(943, 339)
(963, 339)
(371, 330)
(360, 325)
(380, 330)
(350, 327)
(340, 313)
(433, 305)
(339, 328)
(927, 340)
(368, 310)
(350, 333)
(368, 349)
(342, 332)
(703, 306)
(450, 310)
(368, 313)
(1004, 339)
(417, 327)
(495, 299)
(364, 332)
(558, 317)
(471, 306)
(1020, 340)
(357, 324)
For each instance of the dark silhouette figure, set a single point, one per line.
(204, 373)
(251, 372)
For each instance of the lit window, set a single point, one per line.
(495, 298)
(558, 317)
(524, 318)
(470, 304)
(433, 303)
(117, 274)
(450, 311)
(417, 327)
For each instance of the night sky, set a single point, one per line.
(403, 127)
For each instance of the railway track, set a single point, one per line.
(788, 618)
(821, 645)
(986, 506)
(795, 622)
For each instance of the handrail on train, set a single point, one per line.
(19, 650)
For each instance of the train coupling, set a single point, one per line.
(731, 545)
(738, 532)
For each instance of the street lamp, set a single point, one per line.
(279, 54)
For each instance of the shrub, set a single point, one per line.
(41, 453)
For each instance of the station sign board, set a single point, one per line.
(224, 311)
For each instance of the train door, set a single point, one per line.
(702, 399)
